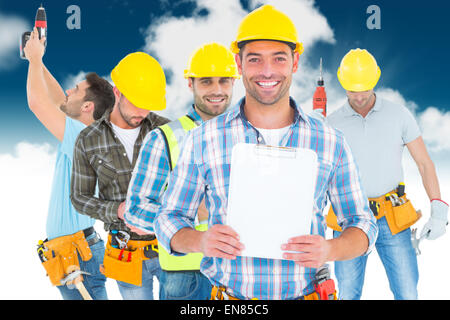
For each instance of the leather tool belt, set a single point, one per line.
(219, 293)
(60, 253)
(126, 264)
(399, 216)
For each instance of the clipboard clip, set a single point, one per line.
(275, 151)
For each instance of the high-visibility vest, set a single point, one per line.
(174, 133)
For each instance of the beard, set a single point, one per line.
(70, 110)
(202, 104)
(132, 121)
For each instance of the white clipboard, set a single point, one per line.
(271, 196)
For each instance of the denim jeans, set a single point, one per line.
(398, 258)
(95, 282)
(184, 285)
(150, 269)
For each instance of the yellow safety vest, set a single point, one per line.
(174, 133)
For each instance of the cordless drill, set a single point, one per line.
(320, 96)
(41, 25)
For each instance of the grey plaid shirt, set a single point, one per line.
(99, 157)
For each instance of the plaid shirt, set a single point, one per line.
(100, 157)
(203, 168)
(149, 180)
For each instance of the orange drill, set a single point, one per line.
(320, 96)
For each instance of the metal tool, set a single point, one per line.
(388, 197)
(375, 207)
(396, 199)
(323, 284)
(122, 238)
(41, 249)
(74, 278)
(320, 96)
(401, 189)
(416, 241)
(40, 22)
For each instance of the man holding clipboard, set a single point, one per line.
(267, 55)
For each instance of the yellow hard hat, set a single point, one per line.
(211, 60)
(358, 71)
(267, 23)
(140, 78)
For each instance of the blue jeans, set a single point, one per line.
(184, 285)
(398, 258)
(95, 282)
(150, 268)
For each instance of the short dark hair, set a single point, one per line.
(100, 92)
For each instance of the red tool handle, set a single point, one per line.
(325, 289)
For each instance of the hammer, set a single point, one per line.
(74, 278)
(415, 241)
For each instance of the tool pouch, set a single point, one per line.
(55, 269)
(63, 252)
(401, 217)
(123, 265)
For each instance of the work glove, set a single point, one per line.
(435, 227)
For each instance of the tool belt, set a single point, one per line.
(58, 254)
(219, 293)
(399, 217)
(324, 288)
(126, 264)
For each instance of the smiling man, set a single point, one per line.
(267, 55)
(210, 75)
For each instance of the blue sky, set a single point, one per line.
(411, 47)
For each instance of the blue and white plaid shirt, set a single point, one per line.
(203, 169)
(149, 179)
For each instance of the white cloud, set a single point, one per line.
(73, 79)
(172, 40)
(435, 124)
(436, 129)
(396, 97)
(11, 29)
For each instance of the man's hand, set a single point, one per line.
(34, 48)
(310, 251)
(221, 241)
(121, 210)
(202, 212)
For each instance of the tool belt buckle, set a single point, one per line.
(151, 251)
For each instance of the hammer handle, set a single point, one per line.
(82, 289)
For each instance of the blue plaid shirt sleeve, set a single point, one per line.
(348, 198)
(147, 183)
(184, 193)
